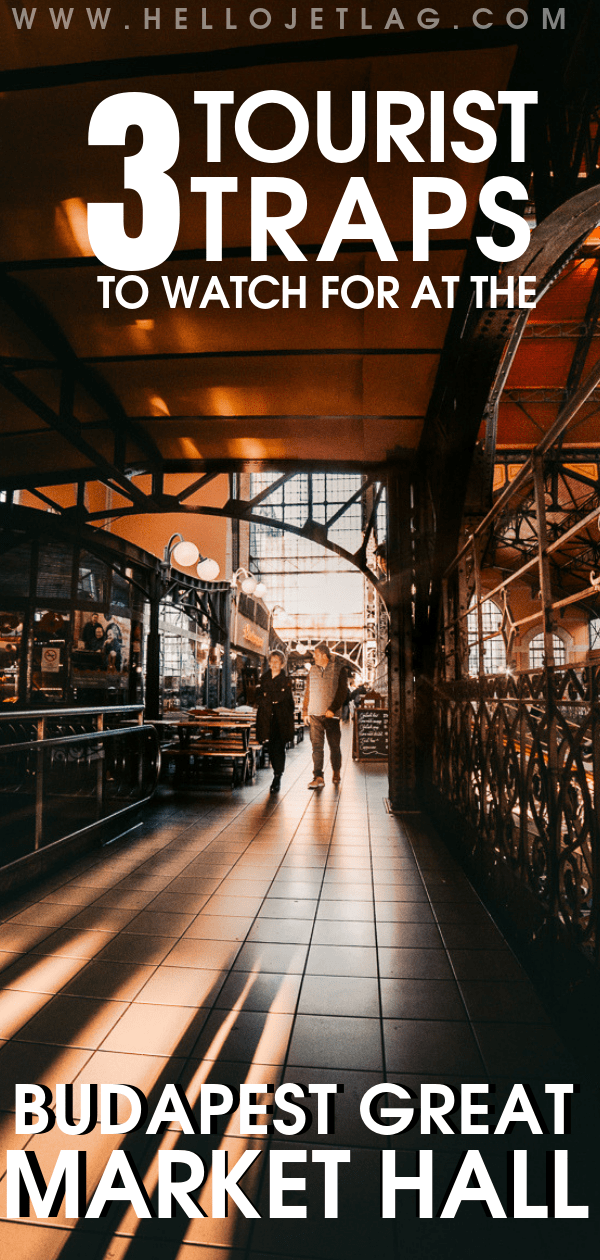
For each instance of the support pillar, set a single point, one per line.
(543, 562)
(552, 740)
(225, 620)
(153, 651)
(401, 683)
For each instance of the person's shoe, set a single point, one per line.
(337, 778)
(276, 784)
(318, 782)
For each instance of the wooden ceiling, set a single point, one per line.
(84, 390)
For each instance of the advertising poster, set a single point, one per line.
(233, 235)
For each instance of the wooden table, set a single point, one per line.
(210, 743)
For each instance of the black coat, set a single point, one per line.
(274, 698)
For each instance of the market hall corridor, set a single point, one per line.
(237, 937)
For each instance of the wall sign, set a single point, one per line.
(50, 660)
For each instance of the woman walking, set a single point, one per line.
(275, 714)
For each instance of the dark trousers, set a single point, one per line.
(276, 749)
(322, 728)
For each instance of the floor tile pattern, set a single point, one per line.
(238, 937)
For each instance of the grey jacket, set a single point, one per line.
(326, 689)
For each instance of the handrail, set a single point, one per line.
(40, 744)
(119, 775)
(36, 714)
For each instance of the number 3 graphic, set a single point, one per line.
(145, 173)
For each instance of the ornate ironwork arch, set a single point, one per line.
(240, 509)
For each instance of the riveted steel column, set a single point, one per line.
(39, 783)
(401, 686)
(543, 562)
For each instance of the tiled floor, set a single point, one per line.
(310, 938)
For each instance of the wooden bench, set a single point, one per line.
(209, 749)
(227, 756)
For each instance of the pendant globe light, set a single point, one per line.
(186, 554)
(208, 570)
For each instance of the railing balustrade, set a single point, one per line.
(67, 771)
(518, 757)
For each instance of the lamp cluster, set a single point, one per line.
(250, 584)
(187, 554)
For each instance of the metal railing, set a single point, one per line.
(67, 771)
(518, 759)
(18, 724)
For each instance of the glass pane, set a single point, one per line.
(49, 657)
(494, 650)
(100, 659)
(55, 565)
(11, 629)
(15, 570)
(307, 580)
(120, 593)
(92, 579)
(184, 652)
(537, 655)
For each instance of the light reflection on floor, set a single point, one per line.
(244, 938)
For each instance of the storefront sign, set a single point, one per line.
(246, 634)
(255, 639)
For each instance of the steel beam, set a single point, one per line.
(296, 52)
(72, 432)
(31, 311)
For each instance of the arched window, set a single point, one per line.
(537, 654)
(494, 650)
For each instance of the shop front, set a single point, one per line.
(87, 619)
(71, 614)
(252, 638)
(187, 659)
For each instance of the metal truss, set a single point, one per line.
(541, 531)
(240, 509)
(207, 606)
(556, 330)
(506, 455)
(516, 531)
(472, 377)
(568, 162)
(353, 650)
(134, 452)
(543, 396)
(561, 168)
(314, 530)
(567, 149)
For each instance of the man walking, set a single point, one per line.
(324, 698)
